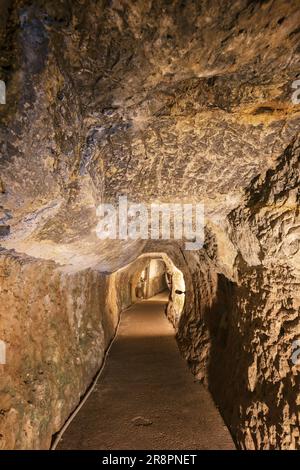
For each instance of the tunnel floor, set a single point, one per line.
(146, 398)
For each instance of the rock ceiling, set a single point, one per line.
(162, 101)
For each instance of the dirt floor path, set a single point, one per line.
(146, 397)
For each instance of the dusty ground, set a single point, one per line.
(146, 398)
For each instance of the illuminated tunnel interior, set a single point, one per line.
(149, 225)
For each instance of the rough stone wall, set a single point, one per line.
(56, 323)
(156, 277)
(56, 330)
(267, 313)
(239, 336)
(156, 284)
(192, 330)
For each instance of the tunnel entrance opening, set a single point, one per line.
(161, 275)
(151, 280)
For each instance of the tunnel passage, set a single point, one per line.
(151, 280)
(164, 102)
(145, 397)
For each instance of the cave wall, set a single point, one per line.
(156, 278)
(56, 332)
(156, 284)
(239, 337)
(56, 323)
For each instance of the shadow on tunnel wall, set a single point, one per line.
(225, 378)
(246, 393)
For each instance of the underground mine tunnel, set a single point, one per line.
(149, 224)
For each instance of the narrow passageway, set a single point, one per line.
(146, 397)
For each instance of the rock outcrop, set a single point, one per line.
(242, 335)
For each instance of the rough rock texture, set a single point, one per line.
(56, 328)
(56, 324)
(156, 277)
(240, 335)
(163, 101)
(157, 100)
